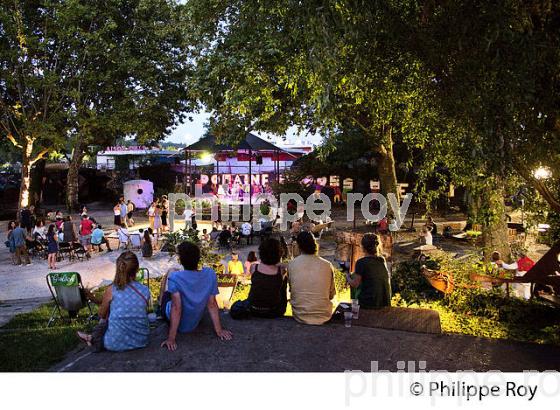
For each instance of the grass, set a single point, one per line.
(28, 345)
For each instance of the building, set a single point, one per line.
(132, 157)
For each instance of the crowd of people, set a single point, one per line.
(32, 233)
(307, 282)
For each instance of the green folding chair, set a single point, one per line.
(68, 294)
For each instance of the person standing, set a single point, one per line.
(157, 220)
(86, 228)
(69, 230)
(164, 212)
(25, 219)
(117, 214)
(151, 214)
(19, 236)
(10, 241)
(52, 246)
(123, 209)
(187, 215)
(130, 207)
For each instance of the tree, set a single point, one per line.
(32, 99)
(323, 66)
(130, 78)
(108, 69)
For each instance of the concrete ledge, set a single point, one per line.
(283, 345)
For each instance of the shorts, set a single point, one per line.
(85, 240)
(129, 215)
(118, 220)
(165, 299)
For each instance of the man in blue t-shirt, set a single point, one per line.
(187, 294)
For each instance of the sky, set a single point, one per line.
(190, 132)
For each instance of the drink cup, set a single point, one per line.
(347, 319)
(355, 309)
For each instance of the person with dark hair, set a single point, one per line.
(25, 217)
(371, 275)
(20, 237)
(10, 240)
(251, 260)
(69, 230)
(267, 296)
(124, 323)
(187, 293)
(98, 238)
(311, 283)
(52, 246)
(147, 247)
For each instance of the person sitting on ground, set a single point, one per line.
(98, 238)
(311, 283)
(124, 321)
(371, 276)
(234, 266)
(267, 296)
(187, 293)
(147, 248)
(251, 260)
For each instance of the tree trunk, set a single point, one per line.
(72, 181)
(494, 229)
(26, 164)
(386, 165)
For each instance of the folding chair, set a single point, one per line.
(142, 275)
(124, 239)
(135, 241)
(65, 248)
(226, 288)
(79, 251)
(68, 293)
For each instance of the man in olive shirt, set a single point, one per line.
(311, 283)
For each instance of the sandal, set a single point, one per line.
(84, 337)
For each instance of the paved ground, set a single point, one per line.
(282, 345)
